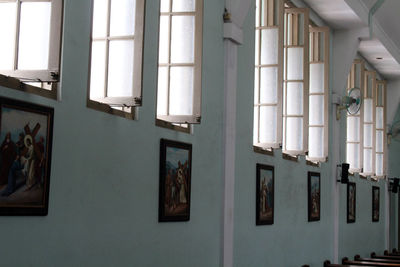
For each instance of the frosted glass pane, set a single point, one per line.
(367, 161)
(317, 75)
(353, 129)
(294, 135)
(316, 112)
(162, 91)
(379, 164)
(256, 86)
(295, 63)
(120, 68)
(269, 86)
(353, 155)
(122, 20)
(7, 33)
(163, 47)
(183, 5)
(368, 109)
(257, 15)
(316, 142)
(100, 18)
(379, 141)
(269, 46)
(379, 118)
(34, 38)
(164, 6)
(181, 91)
(368, 135)
(182, 39)
(97, 69)
(295, 99)
(255, 126)
(268, 124)
(257, 47)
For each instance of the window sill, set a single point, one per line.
(264, 151)
(312, 163)
(290, 157)
(168, 125)
(107, 109)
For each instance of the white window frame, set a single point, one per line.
(351, 83)
(293, 41)
(120, 105)
(317, 57)
(17, 78)
(383, 130)
(273, 19)
(195, 118)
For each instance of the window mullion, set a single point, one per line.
(107, 44)
(17, 31)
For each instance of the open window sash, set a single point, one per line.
(52, 73)
(380, 124)
(296, 81)
(319, 95)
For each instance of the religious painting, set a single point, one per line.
(175, 178)
(351, 202)
(264, 195)
(26, 137)
(314, 196)
(375, 204)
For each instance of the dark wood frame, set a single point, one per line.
(375, 188)
(162, 217)
(310, 218)
(260, 167)
(348, 202)
(37, 209)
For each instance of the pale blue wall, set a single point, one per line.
(103, 206)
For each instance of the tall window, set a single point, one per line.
(318, 94)
(267, 132)
(30, 44)
(380, 159)
(179, 61)
(354, 138)
(296, 80)
(369, 123)
(116, 54)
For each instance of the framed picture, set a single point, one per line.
(26, 133)
(175, 177)
(264, 195)
(314, 196)
(375, 204)
(351, 202)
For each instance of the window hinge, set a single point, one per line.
(55, 75)
(198, 119)
(138, 101)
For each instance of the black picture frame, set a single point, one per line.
(351, 202)
(375, 203)
(26, 136)
(314, 196)
(265, 194)
(175, 181)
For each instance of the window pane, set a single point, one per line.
(255, 126)
(120, 68)
(269, 46)
(294, 134)
(122, 20)
(162, 93)
(34, 38)
(295, 98)
(7, 33)
(181, 91)
(257, 14)
(357, 76)
(164, 6)
(268, 124)
(183, 5)
(379, 118)
(353, 155)
(163, 47)
(367, 161)
(368, 135)
(317, 78)
(269, 85)
(353, 129)
(316, 113)
(97, 71)
(182, 39)
(295, 63)
(379, 96)
(379, 141)
(316, 142)
(256, 85)
(368, 109)
(100, 8)
(379, 164)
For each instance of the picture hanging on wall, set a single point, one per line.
(26, 132)
(351, 202)
(375, 204)
(175, 178)
(314, 196)
(264, 195)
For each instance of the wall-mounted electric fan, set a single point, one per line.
(351, 102)
(394, 132)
